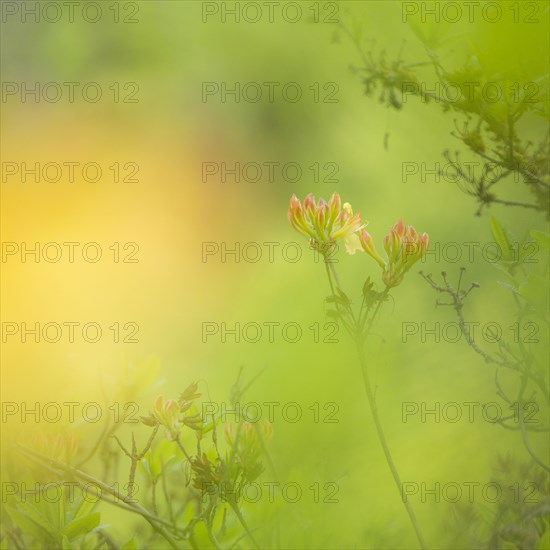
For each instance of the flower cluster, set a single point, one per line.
(404, 246)
(207, 475)
(324, 222)
(226, 477)
(173, 415)
(246, 441)
(166, 413)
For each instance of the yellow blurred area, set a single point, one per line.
(163, 276)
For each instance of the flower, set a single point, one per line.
(59, 446)
(207, 474)
(246, 441)
(250, 434)
(324, 222)
(403, 248)
(167, 414)
(191, 416)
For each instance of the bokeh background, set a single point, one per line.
(170, 212)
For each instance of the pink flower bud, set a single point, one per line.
(335, 203)
(309, 203)
(366, 239)
(400, 228)
(425, 241)
(368, 246)
(387, 244)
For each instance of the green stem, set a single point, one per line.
(331, 271)
(381, 300)
(329, 275)
(334, 274)
(382, 438)
(180, 445)
(208, 523)
(54, 465)
(244, 524)
(359, 335)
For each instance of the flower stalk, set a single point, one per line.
(323, 223)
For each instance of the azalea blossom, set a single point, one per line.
(404, 247)
(167, 413)
(324, 222)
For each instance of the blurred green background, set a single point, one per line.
(171, 212)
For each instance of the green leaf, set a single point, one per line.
(342, 299)
(160, 454)
(501, 238)
(81, 526)
(84, 508)
(27, 525)
(509, 286)
(130, 545)
(36, 515)
(61, 511)
(536, 292)
(52, 512)
(505, 271)
(65, 544)
(207, 427)
(333, 314)
(541, 238)
(544, 542)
